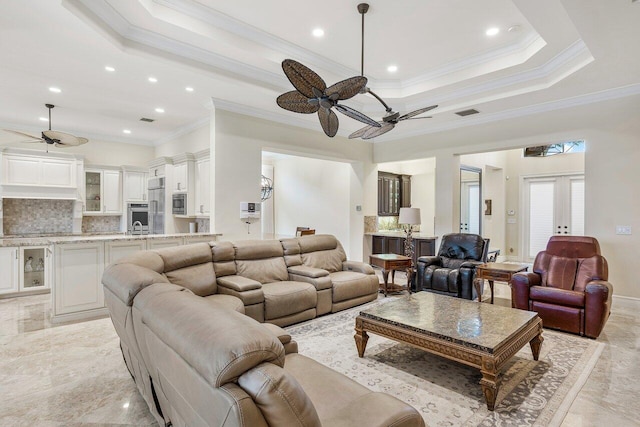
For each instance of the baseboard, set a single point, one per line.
(626, 298)
(83, 315)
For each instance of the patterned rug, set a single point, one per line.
(447, 393)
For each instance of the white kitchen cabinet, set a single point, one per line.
(181, 177)
(203, 187)
(35, 263)
(39, 171)
(78, 273)
(103, 192)
(164, 243)
(9, 266)
(198, 239)
(121, 248)
(135, 186)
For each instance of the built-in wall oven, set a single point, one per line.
(138, 218)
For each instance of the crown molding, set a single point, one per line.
(560, 104)
(183, 131)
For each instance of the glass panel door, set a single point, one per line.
(93, 182)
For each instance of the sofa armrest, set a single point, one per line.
(357, 266)
(471, 264)
(238, 283)
(290, 346)
(597, 306)
(376, 410)
(426, 261)
(520, 284)
(306, 271)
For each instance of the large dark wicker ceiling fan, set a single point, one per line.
(53, 137)
(312, 95)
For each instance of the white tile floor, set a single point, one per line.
(73, 374)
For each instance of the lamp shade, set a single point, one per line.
(409, 216)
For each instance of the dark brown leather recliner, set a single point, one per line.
(453, 270)
(568, 287)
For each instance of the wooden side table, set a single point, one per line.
(495, 271)
(391, 263)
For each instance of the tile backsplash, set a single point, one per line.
(101, 224)
(202, 225)
(36, 216)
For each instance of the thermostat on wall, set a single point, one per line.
(250, 210)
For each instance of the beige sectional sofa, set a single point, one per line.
(189, 325)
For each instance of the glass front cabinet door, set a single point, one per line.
(93, 184)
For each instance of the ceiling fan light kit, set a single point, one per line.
(313, 96)
(53, 137)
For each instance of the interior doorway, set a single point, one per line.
(470, 196)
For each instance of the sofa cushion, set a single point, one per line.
(322, 251)
(285, 298)
(199, 279)
(146, 259)
(185, 256)
(291, 252)
(261, 260)
(126, 280)
(562, 272)
(444, 279)
(280, 398)
(223, 258)
(350, 284)
(194, 329)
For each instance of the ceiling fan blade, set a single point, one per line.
(361, 131)
(329, 121)
(296, 102)
(64, 139)
(24, 134)
(375, 132)
(418, 118)
(416, 112)
(348, 88)
(303, 78)
(357, 115)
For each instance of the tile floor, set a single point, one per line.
(73, 374)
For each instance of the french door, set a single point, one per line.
(554, 205)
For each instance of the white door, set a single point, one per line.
(554, 205)
(203, 176)
(9, 267)
(470, 208)
(135, 186)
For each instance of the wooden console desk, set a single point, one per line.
(391, 263)
(495, 271)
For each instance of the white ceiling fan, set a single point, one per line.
(53, 137)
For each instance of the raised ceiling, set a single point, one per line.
(561, 53)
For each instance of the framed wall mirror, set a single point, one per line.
(470, 200)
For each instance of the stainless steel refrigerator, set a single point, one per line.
(156, 205)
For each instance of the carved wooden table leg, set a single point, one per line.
(477, 284)
(361, 337)
(385, 279)
(536, 343)
(489, 382)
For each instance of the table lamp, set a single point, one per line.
(408, 218)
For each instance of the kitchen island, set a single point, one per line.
(72, 265)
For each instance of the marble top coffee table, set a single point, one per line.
(479, 335)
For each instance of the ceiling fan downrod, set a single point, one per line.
(362, 9)
(49, 106)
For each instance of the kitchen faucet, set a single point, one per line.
(133, 227)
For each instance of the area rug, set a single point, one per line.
(447, 393)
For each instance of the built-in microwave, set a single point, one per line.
(179, 204)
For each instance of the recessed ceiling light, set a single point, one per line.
(44, 119)
(392, 68)
(318, 32)
(55, 89)
(152, 80)
(159, 110)
(127, 131)
(492, 31)
(188, 89)
(109, 69)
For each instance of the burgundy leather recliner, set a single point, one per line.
(568, 287)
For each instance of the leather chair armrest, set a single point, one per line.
(376, 410)
(238, 283)
(357, 266)
(311, 272)
(429, 260)
(520, 284)
(597, 306)
(471, 264)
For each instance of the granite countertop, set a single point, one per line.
(48, 239)
(390, 233)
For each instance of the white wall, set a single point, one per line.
(313, 193)
(108, 153)
(191, 141)
(236, 146)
